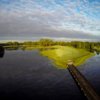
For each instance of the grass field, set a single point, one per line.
(62, 54)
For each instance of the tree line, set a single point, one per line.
(49, 42)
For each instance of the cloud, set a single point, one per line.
(52, 18)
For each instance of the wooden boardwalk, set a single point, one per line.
(83, 83)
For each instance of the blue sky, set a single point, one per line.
(49, 18)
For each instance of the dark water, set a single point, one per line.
(26, 75)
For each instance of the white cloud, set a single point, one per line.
(49, 18)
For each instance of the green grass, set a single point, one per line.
(97, 48)
(62, 54)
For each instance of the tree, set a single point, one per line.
(46, 42)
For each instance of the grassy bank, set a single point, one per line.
(62, 54)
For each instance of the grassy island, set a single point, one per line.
(62, 54)
(59, 51)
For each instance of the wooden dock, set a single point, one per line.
(82, 82)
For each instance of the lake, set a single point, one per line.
(26, 75)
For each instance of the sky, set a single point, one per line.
(34, 19)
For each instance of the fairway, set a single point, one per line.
(62, 54)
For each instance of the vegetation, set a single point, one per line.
(89, 46)
(62, 54)
(59, 51)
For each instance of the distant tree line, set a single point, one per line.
(90, 46)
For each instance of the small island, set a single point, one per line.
(58, 51)
(62, 54)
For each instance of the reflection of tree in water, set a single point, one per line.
(2, 51)
(97, 52)
(49, 48)
(23, 48)
(12, 48)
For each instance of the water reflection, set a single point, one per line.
(26, 75)
(28, 48)
(97, 52)
(45, 49)
(2, 51)
(11, 47)
(23, 47)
